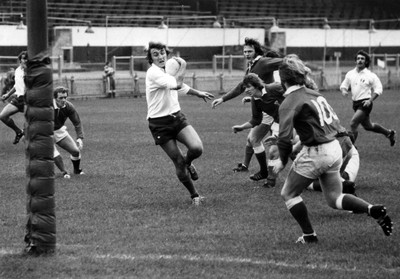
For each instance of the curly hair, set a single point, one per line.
(156, 45)
(254, 44)
(366, 55)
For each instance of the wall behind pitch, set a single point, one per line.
(309, 43)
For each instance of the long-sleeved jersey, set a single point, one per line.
(309, 113)
(362, 84)
(62, 114)
(19, 82)
(161, 98)
(264, 67)
(269, 103)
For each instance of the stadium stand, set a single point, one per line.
(336, 10)
(96, 10)
(283, 10)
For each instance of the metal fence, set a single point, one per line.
(134, 86)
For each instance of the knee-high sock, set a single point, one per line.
(379, 129)
(300, 214)
(316, 186)
(262, 161)
(353, 203)
(10, 123)
(248, 155)
(76, 162)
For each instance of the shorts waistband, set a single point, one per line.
(166, 116)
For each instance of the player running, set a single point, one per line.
(317, 125)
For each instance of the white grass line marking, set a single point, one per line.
(4, 252)
(202, 258)
(212, 258)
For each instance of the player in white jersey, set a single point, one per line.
(167, 123)
(17, 101)
(365, 87)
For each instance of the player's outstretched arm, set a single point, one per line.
(216, 102)
(8, 94)
(201, 94)
(244, 126)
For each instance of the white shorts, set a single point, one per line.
(56, 152)
(60, 134)
(275, 129)
(352, 164)
(313, 161)
(267, 119)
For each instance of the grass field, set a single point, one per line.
(129, 217)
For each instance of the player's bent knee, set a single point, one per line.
(75, 154)
(259, 148)
(286, 195)
(75, 158)
(254, 141)
(196, 151)
(293, 201)
(337, 203)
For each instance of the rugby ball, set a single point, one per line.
(173, 65)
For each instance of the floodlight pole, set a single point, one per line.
(371, 30)
(223, 43)
(106, 44)
(326, 28)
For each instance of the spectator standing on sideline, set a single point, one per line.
(9, 81)
(365, 87)
(64, 110)
(321, 154)
(167, 123)
(17, 102)
(110, 81)
(264, 67)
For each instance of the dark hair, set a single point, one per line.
(254, 44)
(254, 80)
(156, 45)
(60, 89)
(366, 55)
(22, 54)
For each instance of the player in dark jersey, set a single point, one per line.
(64, 110)
(317, 125)
(265, 98)
(264, 64)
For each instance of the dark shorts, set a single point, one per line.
(358, 105)
(18, 102)
(167, 127)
